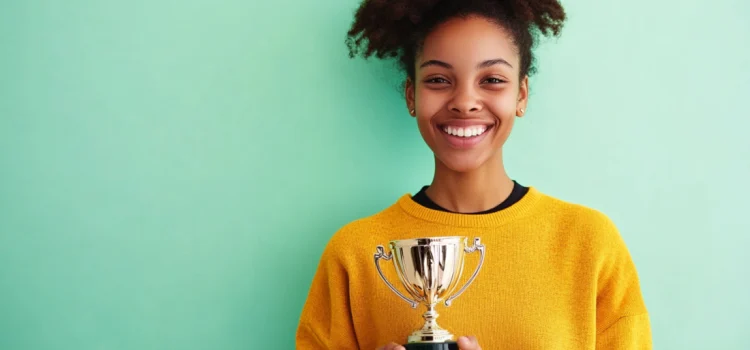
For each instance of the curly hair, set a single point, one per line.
(397, 28)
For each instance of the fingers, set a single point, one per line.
(468, 343)
(464, 343)
(391, 346)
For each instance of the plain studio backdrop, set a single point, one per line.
(171, 171)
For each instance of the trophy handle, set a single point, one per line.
(382, 255)
(477, 246)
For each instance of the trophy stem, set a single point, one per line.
(430, 332)
(430, 324)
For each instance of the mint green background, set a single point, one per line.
(171, 171)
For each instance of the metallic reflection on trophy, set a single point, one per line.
(430, 269)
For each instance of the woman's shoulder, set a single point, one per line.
(588, 220)
(575, 210)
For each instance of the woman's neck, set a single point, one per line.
(470, 192)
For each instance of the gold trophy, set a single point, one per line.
(430, 269)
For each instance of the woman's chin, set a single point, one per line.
(461, 163)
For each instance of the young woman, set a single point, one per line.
(557, 275)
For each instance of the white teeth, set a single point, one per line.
(465, 132)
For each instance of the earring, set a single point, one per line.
(522, 110)
(412, 111)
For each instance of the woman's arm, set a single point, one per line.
(621, 315)
(326, 321)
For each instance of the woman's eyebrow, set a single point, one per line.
(483, 64)
(435, 63)
(492, 62)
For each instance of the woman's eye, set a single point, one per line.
(436, 81)
(494, 81)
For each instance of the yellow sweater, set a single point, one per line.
(556, 275)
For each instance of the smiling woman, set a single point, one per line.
(557, 274)
(462, 86)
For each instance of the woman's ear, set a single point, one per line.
(523, 97)
(409, 97)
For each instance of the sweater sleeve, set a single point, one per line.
(621, 315)
(326, 322)
(628, 332)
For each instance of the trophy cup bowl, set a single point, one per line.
(430, 269)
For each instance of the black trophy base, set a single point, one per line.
(449, 345)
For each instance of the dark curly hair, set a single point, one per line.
(397, 28)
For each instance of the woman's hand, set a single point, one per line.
(464, 343)
(468, 343)
(391, 346)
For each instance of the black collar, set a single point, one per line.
(515, 195)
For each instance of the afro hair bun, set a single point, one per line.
(397, 28)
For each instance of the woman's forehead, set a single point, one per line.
(468, 41)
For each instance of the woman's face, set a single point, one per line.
(467, 93)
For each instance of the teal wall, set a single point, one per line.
(171, 171)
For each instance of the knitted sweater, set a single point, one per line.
(556, 275)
